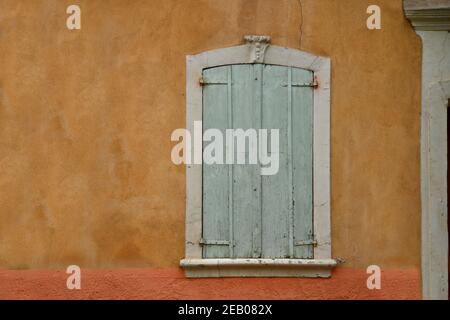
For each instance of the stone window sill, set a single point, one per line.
(218, 268)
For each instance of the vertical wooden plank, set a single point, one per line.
(258, 73)
(276, 188)
(290, 169)
(230, 147)
(302, 134)
(247, 80)
(216, 176)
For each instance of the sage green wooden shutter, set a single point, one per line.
(246, 215)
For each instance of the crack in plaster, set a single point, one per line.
(301, 22)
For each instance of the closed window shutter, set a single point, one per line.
(302, 163)
(246, 215)
(216, 190)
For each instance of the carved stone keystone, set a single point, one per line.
(258, 45)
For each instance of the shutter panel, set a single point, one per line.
(246, 215)
(302, 139)
(216, 189)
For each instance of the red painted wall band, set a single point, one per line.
(170, 283)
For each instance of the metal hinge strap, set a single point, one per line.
(204, 242)
(305, 243)
(313, 84)
(204, 82)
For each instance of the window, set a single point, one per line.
(242, 223)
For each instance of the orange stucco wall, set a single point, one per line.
(86, 117)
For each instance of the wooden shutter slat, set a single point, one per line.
(246, 100)
(275, 188)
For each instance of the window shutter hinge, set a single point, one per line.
(313, 84)
(204, 242)
(299, 243)
(203, 82)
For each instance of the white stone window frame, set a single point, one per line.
(258, 50)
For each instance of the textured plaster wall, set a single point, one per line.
(170, 283)
(86, 118)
